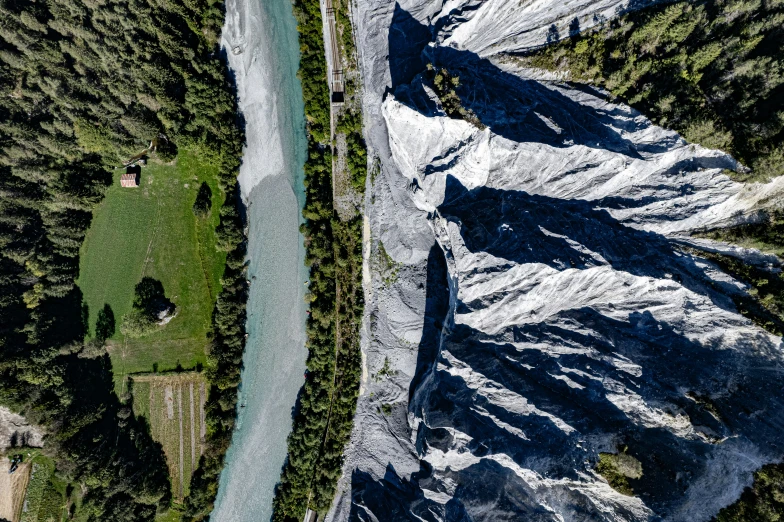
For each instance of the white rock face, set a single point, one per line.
(15, 431)
(494, 26)
(666, 184)
(545, 309)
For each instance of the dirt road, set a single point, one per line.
(12, 489)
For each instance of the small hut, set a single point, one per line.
(131, 177)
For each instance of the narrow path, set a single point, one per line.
(202, 417)
(144, 269)
(13, 487)
(152, 237)
(335, 367)
(122, 358)
(335, 72)
(151, 410)
(193, 432)
(336, 77)
(332, 393)
(182, 449)
(367, 285)
(207, 279)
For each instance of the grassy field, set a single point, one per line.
(173, 515)
(174, 406)
(152, 231)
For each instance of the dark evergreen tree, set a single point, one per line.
(105, 323)
(203, 203)
(86, 86)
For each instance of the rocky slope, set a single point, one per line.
(533, 304)
(15, 431)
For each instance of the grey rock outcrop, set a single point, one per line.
(538, 308)
(16, 432)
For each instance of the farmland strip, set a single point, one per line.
(203, 424)
(182, 450)
(193, 431)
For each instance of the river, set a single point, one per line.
(260, 39)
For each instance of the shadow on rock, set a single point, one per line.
(520, 110)
(436, 308)
(396, 499)
(525, 410)
(563, 234)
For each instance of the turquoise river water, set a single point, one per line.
(260, 39)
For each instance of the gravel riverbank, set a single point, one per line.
(260, 39)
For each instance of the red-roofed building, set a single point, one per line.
(130, 178)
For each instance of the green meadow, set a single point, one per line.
(151, 231)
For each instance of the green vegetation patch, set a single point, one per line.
(712, 70)
(172, 515)
(384, 372)
(386, 266)
(174, 407)
(39, 480)
(617, 469)
(763, 302)
(445, 86)
(766, 235)
(350, 123)
(327, 402)
(763, 501)
(51, 508)
(45, 499)
(152, 231)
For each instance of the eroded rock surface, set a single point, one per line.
(538, 307)
(16, 432)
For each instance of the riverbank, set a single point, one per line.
(325, 411)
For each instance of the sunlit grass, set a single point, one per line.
(152, 231)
